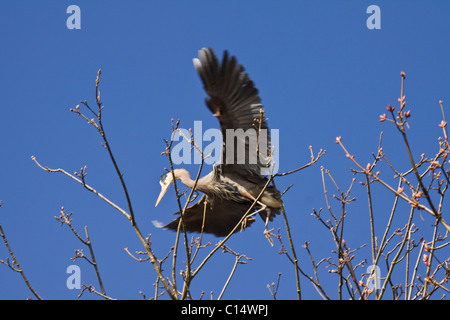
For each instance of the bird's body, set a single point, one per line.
(232, 186)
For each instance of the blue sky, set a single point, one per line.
(320, 71)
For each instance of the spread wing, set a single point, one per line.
(220, 217)
(234, 100)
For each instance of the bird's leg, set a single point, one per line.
(251, 215)
(246, 194)
(263, 207)
(267, 232)
(267, 221)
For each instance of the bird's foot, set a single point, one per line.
(268, 234)
(248, 219)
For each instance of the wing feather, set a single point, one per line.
(220, 217)
(234, 99)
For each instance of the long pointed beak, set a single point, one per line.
(164, 189)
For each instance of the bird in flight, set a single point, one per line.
(232, 186)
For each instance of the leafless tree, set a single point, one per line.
(423, 261)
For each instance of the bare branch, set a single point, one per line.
(15, 264)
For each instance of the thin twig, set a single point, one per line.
(236, 262)
(15, 264)
(129, 215)
(65, 219)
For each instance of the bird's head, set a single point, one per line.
(165, 182)
(167, 179)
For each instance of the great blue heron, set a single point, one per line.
(230, 188)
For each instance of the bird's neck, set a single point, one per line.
(187, 181)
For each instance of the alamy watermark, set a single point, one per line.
(74, 20)
(249, 147)
(374, 281)
(374, 20)
(74, 280)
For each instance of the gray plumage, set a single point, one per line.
(231, 187)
